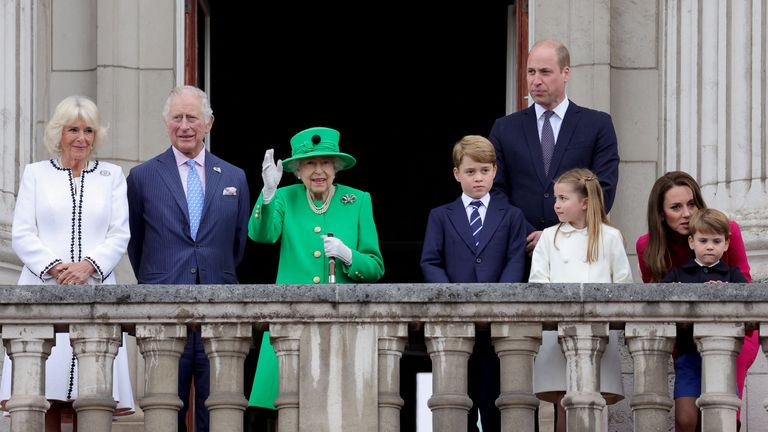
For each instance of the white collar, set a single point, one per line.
(559, 109)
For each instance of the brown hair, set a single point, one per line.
(656, 254)
(586, 184)
(476, 147)
(710, 221)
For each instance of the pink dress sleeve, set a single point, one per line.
(737, 257)
(642, 243)
(737, 254)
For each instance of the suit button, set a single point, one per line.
(479, 260)
(317, 229)
(546, 195)
(197, 245)
(194, 270)
(705, 270)
(317, 254)
(316, 279)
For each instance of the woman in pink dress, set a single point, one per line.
(674, 198)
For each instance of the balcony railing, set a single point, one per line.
(339, 347)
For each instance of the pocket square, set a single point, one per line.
(230, 190)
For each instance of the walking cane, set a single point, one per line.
(331, 266)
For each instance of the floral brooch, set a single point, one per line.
(348, 198)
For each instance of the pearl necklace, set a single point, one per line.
(322, 209)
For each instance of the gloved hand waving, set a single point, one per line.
(271, 174)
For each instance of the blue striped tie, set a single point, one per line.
(194, 198)
(475, 221)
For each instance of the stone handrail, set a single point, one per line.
(336, 344)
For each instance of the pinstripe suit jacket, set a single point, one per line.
(161, 248)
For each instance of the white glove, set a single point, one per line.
(336, 248)
(271, 174)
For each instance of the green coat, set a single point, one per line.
(289, 218)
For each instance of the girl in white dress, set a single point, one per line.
(583, 248)
(70, 227)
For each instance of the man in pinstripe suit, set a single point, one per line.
(174, 243)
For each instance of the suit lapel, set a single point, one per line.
(457, 214)
(493, 216)
(168, 171)
(213, 175)
(567, 128)
(531, 132)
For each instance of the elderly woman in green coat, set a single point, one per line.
(315, 221)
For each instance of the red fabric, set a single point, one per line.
(735, 256)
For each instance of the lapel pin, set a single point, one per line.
(217, 169)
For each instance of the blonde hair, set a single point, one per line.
(476, 147)
(710, 221)
(67, 112)
(586, 184)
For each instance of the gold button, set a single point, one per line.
(317, 229)
(317, 254)
(257, 206)
(316, 279)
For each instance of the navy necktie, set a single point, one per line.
(475, 221)
(194, 198)
(547, 141)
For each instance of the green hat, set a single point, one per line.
(318, 141)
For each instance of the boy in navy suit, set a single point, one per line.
(479, 237)
(709, 238)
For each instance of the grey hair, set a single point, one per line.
(206, 104)
(67, 112)
(293, 166)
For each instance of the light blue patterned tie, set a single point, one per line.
(194, 198)
(475, 221)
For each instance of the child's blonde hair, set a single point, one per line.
(710, 221)
(476, 147)
(586, 184)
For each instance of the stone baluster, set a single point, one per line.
(226, 346)
(28, 346)
(764, 344)
(392, 339)
(517, 345)
(449, 346)
(650, 345)
(95, 346)
(719, 344)
(583, 345)
(161, 345)
(286, 340)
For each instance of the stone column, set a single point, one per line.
(719, 344)
(161, 345)
(28, 346)
(227, 346)
(517, 345)
(650, 345)
(95, 346)
(392, 339)
(286, 339)
(583, 345)
(449, 345)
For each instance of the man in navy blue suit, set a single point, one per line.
(479, 237)
(188, 227)
(534, 146)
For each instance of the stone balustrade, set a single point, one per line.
(339, 347)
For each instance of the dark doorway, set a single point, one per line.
(401, 82)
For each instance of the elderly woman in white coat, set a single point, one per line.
(70, 227)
